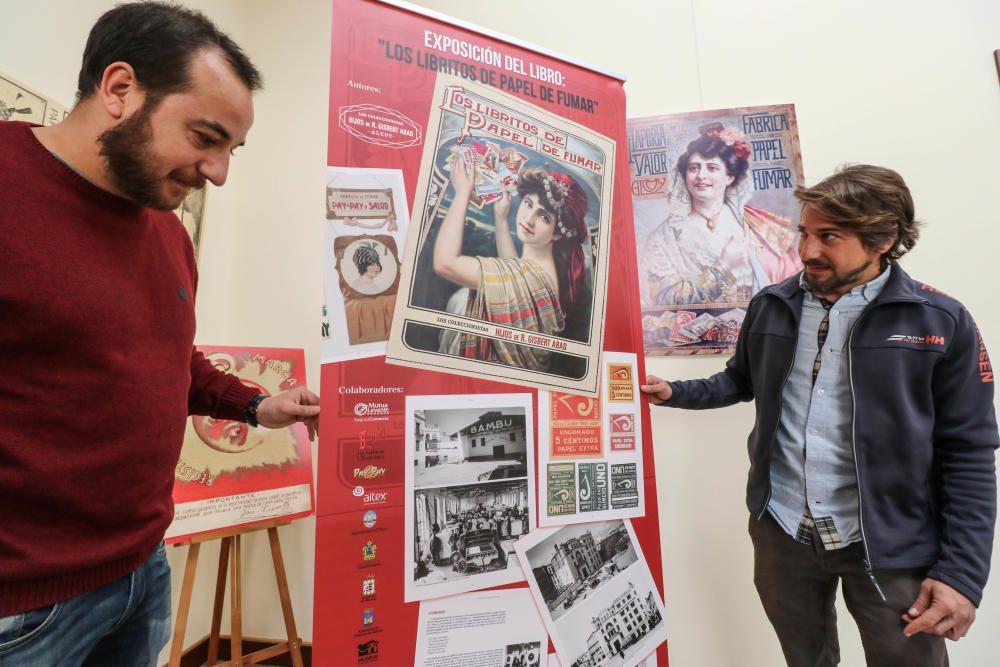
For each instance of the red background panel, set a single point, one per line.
(367, 37)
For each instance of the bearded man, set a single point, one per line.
(96, 267)
(872, 456)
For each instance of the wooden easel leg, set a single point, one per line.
(220, 596)
(236, 604)
(294, 643)
(184, 605)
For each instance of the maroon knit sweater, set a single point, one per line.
(98, 376)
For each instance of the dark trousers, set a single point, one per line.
(797, 584)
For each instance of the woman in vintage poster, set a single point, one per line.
(368, 273)
(544, 289)
(369, 267)
(714, 247)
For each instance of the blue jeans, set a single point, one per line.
(122, 624)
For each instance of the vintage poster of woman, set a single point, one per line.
(716, 220)
(505, 270)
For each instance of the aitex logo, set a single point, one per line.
(375, 497)
(916, 340)
(358, 491)
(368, 472)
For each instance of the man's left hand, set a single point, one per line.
(288, 407)
(939, 610)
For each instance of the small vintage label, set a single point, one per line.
(576, 426)
(593, 478)
(620, 383)
(624, 486)
(622, 427)
(562, 489)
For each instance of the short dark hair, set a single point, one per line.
(871, 201)
(709, 146)
(158, 40)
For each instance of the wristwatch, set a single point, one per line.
(250, 412)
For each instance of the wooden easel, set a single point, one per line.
(229, 560)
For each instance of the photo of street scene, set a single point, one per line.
(469, 530)
(468, 445)
(469, 491)
(577, 560)
(618, 628)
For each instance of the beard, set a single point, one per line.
(834, 281)
(130, 160)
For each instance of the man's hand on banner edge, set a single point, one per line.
(657, 389)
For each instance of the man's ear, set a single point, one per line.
(119, 91)
(888, 245)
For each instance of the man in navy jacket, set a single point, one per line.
(872, 455)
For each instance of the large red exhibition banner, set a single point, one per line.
(391, 512)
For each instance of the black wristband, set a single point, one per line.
(250, 412)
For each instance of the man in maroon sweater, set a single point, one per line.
(97, 285)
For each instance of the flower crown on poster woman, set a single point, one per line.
(714, 247)
(544, 289)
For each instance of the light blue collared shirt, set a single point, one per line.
(813, 476)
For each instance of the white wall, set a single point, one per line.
(909, 85)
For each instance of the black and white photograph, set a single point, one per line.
(469, 445)
(595, 592)
(470, 530)
(576, 561)
(523, 655)
(470, 491)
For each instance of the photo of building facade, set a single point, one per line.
(461, 446)
(578, 560)
(620, 626)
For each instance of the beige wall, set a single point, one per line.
(910, 85)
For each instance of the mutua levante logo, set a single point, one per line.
(371, 409)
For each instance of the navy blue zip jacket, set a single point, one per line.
(924, 424)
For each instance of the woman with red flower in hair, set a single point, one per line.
(542, 289)
(714, 247)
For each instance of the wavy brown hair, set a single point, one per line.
(871, 201)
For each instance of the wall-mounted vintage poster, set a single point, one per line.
(470, 491)
(233, 474)
(715, 220)
(365, 232)
(191, 213)
(18, 102)
(590, 454)
(505, 272)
